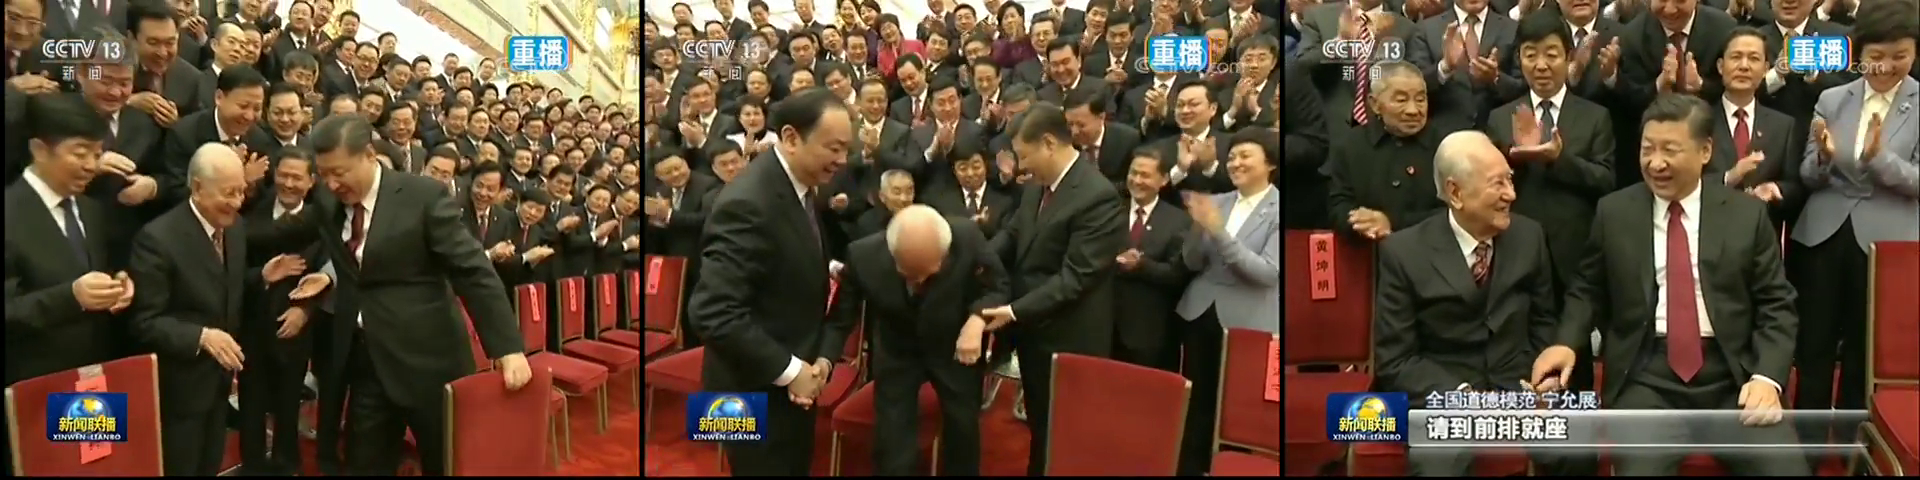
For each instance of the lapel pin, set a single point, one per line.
(1410, 171)
(1905, 106)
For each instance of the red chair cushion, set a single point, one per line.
(572, 375)
(1236, 464)
(1896, 413)
(856, 413)
(624, 338)
(679, 372)
(656, 342)
(616, 358)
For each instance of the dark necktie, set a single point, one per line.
(1683, 316)
(676, 199)
(358, 234)
(1579, 37)
(76, 238)
(1741, 132)
(1547, 123)
(1046, 195)
(1139, 225)
(219, 246)
(813, 220)
(482, 233)
(1093, 154)
(1679, 42)
(526, 234)
(973, 202)
(1482, 263)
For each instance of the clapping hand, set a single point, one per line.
(1529, 139)
(1872, 148)
(1767, 192)
(140, 189)
(1824, 137)
(1669, 70)
(606, 229)
(1129, 260)
(513, 368)
(838, 202)
(256, 167)
(310, 285)
(282, 267)
(1744, 166)
(501, 251)
(33, 83)
(569, 222)
(1486, 69)
(982, 217)
(1206, 216)
(114, 162)
(536, 254)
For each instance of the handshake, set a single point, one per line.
(806, 386)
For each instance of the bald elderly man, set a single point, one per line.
(190, 264)
(923, 280)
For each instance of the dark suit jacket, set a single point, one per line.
(1147, 294)
(525, 237)
(182, 85)
(1303, 189)
(1374, 169)
(1643, 43)
(762, 298)
(1560, 194)
(416, 248)
(259, 328)
(1771, 133)
(1460, 96)
(919, 328)
(1057, 93)
(1319, 24)
(1797, 96)
(681, 235)
(1061, 261)
(935, 170)
(186, 136)
(1117, 145)
(1748, 299)
(184, 288)
(336, 80)
(1434, 329)
(46, 329)
(951, 201)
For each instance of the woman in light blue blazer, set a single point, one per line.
(1235, 246)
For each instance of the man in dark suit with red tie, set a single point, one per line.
(1151, 277)
(1694, 305)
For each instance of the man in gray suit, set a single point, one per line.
(1235, 245)
(1449, 49)
(1860, 167)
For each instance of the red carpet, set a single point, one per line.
(615, 453)
(669, 453)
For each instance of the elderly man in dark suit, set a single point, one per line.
(193, 263)
(922, 282)
(1450, 318)
(1060, 252)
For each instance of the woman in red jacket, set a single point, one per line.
(894, 44)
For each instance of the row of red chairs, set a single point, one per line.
(1338, 331)
(1149, 403)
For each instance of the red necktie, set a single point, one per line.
(1741, 134)
(917, 119)
(359, 233)
(1046, 195)
(482, 233)
(526, 233)
(1139, 225)
(1683, 316)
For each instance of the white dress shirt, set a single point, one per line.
(933, 154)
(1140, 213)
(1690, 205)
(1476, 28)
(1226, 118)
(800, 194)
(52, 200)
(1559, 100)
(1243, 210)
(346, 232)
(280, 210)
(1876, 103)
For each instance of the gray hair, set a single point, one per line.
(1453, 160)
(1377, 79)
(895, 175)
(918, 215)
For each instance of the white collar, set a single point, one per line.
(979, 193)
(1888, 94)
(1690, 203)
(799, 189)
(1204, 132)
(1731, 107)
(1577, 28)
(1256, 197)
(1147, 209)
(1076, 83)
(279, 209)
(1465, 240)
(288, 142)
(373, 192)
(1786, 30)
(1684, 30)
(1164, 83)
(221, 130)
(45, 191)
(205, 226)
(1559, 99)
(1461, 13)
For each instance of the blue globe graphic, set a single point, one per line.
(728, 407)
(87, 407)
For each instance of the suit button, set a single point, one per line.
(1395, 183)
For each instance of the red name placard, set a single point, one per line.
(1320, 280)
(573, 297)
(93, 379)
(1273, 370)
(653, 275)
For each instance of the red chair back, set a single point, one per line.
(1894, 318)
(495, 431)
(1246, 418)
(632, 298)
(1134, 432)
(139, 456)
(532, 299)
(480, 361)
(1330, 330)
(573, 308)
(606, 301)
(666, 277)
